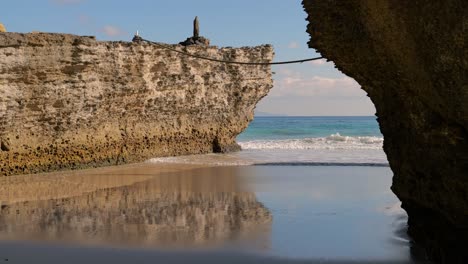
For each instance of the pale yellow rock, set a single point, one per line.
(2, 28)
(90, 103)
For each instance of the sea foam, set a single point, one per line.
(333, 150)
(334, 141)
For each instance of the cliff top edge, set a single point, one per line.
(15, 39)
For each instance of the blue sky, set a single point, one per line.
(305, 89)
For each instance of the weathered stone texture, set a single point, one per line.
(69, 102)
(411, 58)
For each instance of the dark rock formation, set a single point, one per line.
(196, 28)
(70, 102)
(411, 58)
(196, 39)
(137, 38)
(200, 41)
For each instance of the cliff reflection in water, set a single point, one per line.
(133, 206)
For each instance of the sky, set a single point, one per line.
(307, 89)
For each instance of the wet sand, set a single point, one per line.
(46, 254)
(64, 184)
(179, 213)
(144, 205)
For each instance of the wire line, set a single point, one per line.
(225, 61)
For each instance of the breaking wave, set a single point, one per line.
(332, 142)
(333, 150)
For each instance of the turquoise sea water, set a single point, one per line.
(314, 140)
(286, 127)
(303, 140)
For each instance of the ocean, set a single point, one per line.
(348, 140)
(364, 129)
(320, 141)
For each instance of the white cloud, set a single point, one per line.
(290, 83)
(66, 2)
(315, 90)
(293, 45)
(112, 31)
(318, 62)
(317, 105)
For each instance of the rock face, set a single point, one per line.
(411, 58)
(70, 102)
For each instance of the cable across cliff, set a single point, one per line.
(165, 46)
(196, 39)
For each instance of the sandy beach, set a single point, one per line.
(176, 212)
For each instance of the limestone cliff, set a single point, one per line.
(69, 101)
(411, 58)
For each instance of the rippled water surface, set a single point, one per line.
(182, 212)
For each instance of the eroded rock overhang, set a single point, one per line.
(411, 59)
